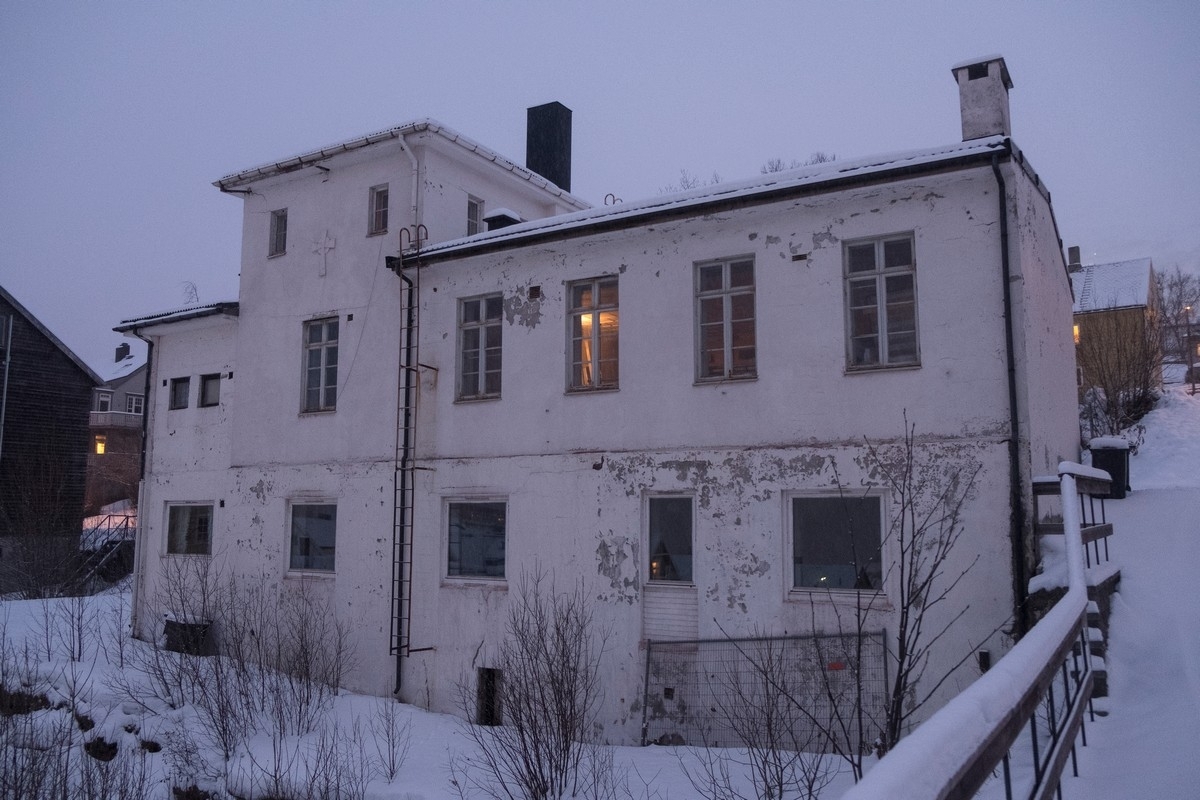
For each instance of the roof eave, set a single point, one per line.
(226, 309)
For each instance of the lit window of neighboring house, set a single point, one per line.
(593, 345)
(474, 216)
(881, 303)
(277, 244)
(480, 330)
(101, 442)
(475, 539)
(189, 530)
(104, 401)
(378, 204)
(180, 388)
(669, 538)
(320, 364)
(210, 390)
(836, 542)
(135, 404)
(725, 319)
(314, 537)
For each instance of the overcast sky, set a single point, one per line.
(116, 117)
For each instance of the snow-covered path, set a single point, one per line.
(1146, 746)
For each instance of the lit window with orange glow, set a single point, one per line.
(594, 325)
(101, 443)
(1076, 333)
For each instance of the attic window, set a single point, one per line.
(977, 71)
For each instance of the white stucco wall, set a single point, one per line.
(575, 468)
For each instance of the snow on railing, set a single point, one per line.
(956, 750)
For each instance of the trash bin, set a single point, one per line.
(1111, 454)
(190, 638)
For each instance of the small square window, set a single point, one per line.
(278, 242)
(210, 390)
(476, 539)
(836, 542)
(670, 538)
(189, 530)
(180, 388)
(314, 537)
(378, 205)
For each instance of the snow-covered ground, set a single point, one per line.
(1142, 748)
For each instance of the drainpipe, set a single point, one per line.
(1016, 495)
(416, 174)
(405, 510)
(138, 549)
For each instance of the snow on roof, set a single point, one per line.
(124, 368)
(320, 154)
(775, 182)
(1121, 284)
(229, 307)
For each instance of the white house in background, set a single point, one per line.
(661, 400)
(272, 430)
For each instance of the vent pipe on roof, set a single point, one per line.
(548, 143)
(983, 86)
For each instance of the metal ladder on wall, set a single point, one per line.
(406, 423)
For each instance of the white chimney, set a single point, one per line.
(983, 85)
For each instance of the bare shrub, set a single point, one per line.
(548, 696)
(1120, 356)
(392, 737)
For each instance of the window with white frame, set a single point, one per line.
(836, 542)
(881, 302)
(669, 538)
(475, 539)
(180, 389)
(474, 215)
(480, 331)
(378, 204)
(277, 244)
(594, 324)
(135, 404)
(189, 529)
(210, 390)
(320, 364)
(104, 401)
(725, 319)
(314, 537)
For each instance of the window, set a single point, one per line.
(594, 334)
(278, 242)
(314, 537)
(101, 443)
(836, 542)
(189, 530)
(479, 337)
(487, 697)
(135, 404)
(474, 215)
(476, 539)
(725, 319)
(881, 302)
(180, 387)
(670, 539)
(104, 401)
(378, 204)
(210, 390)
(320, 364)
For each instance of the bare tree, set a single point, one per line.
(1119, 353)
(547, 696)
(1178, 292)
(779, 165)
(688, 180)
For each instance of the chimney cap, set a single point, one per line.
(975, 62)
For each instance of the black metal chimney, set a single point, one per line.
(122, 351)
(548, 143)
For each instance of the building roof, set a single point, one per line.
(35, 322)
(313, 157)
(227, 308)
(122, 369)
(762, 188)
(1121, 284)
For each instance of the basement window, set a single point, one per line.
(189, 530)
(488, 694)
(836, 542)
(669, 528)
(476, 539)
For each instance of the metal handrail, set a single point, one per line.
(956, 750)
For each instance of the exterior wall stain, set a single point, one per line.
(824, 238)
(522, 310)
(617, 559)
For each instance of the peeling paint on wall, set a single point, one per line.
(617, 558)
(519, 308)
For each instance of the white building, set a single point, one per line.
(668, 401)
(272, 439)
